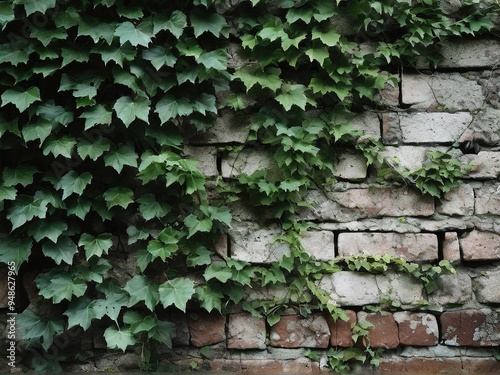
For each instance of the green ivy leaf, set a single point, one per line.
(293, 94)
(54, 113)
(195, 225)
(24, 209)
(163, 332)
(60, 285)
(200, 256)
(40, 329)
(21, 98)
(219, 271)
(216, 59)
(39, 130)
(8, 193)
(163, 250)
(330, 38)
(6, 13)
(175, 24)
(135, 234)
(176, 292)
(120, 339)
(251, 76)
(210, 299)
(169, 108)
(206, 103)
(128, 110)
(159, 57)
(59, 146)
(61, 251)
(118, 158)
(111, 305)
(17, 251)
(95, 245)
(50, 229)
(32, 6)
(203, 22)
(118, 196)
(73, 183)
(150, 208)
(92, 148)
(142, 288)
(127, 32)
(80, 208)
(98, 114)
(319, 54)
(22, 175)
(80, 312)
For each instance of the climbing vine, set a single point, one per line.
(98, 101)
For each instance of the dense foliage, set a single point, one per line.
(99, 98)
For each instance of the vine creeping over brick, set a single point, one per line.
(99, 99)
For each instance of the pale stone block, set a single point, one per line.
(451, 248)
(245, 331)
(488, 199)
(377, 202)
(485, 127)
(351, 288)
(436, 127)
(367, 122)
(410, 246)
(452, 289)
(247, 162)
(441, 92)
(473, 53)
(319, 244)
(485, 165)
(400, 288)
(458, 201)
(229, 127)
(252, 243)
(351, 166)
(481, 246)
(487, 287)
(207, 159)
(410, 157)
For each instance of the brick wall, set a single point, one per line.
(459, 328)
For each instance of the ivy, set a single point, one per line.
(98, 101)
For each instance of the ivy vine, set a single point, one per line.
(99, 98)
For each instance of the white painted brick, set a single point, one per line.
(351, 167)
(319, 244)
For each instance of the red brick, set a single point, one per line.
(299, 366)
(470, 328)
(451, 248)
(260, 366)
(480, 365)
(341, 331)
(481, 246)
(206, 328)
(433, 366)
(384, 334)
(225, 365)
(246, 332)
(294, 331)
(417, 329)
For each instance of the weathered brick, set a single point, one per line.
(485, 127)
(458, 201)
(488, 199)
(441, 91)
(206, 328)
(411, 157)
(485, 165)
(487, 287)
(246, 332)
(451, 248)
(247, 162)
(341, 331)
(252, 243)
(319, 244)
(430, 366)
(473, 53)
(410, 246)
(470, 328)
(480, 366)
(207, 158)
(480, 246)
(384, 333)
(351, 166)
(391, 130)
(294, 331)
(358, 288)
(452, 289)
(417, 329)
(229, 127)
(437, 127)
(385, 202)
